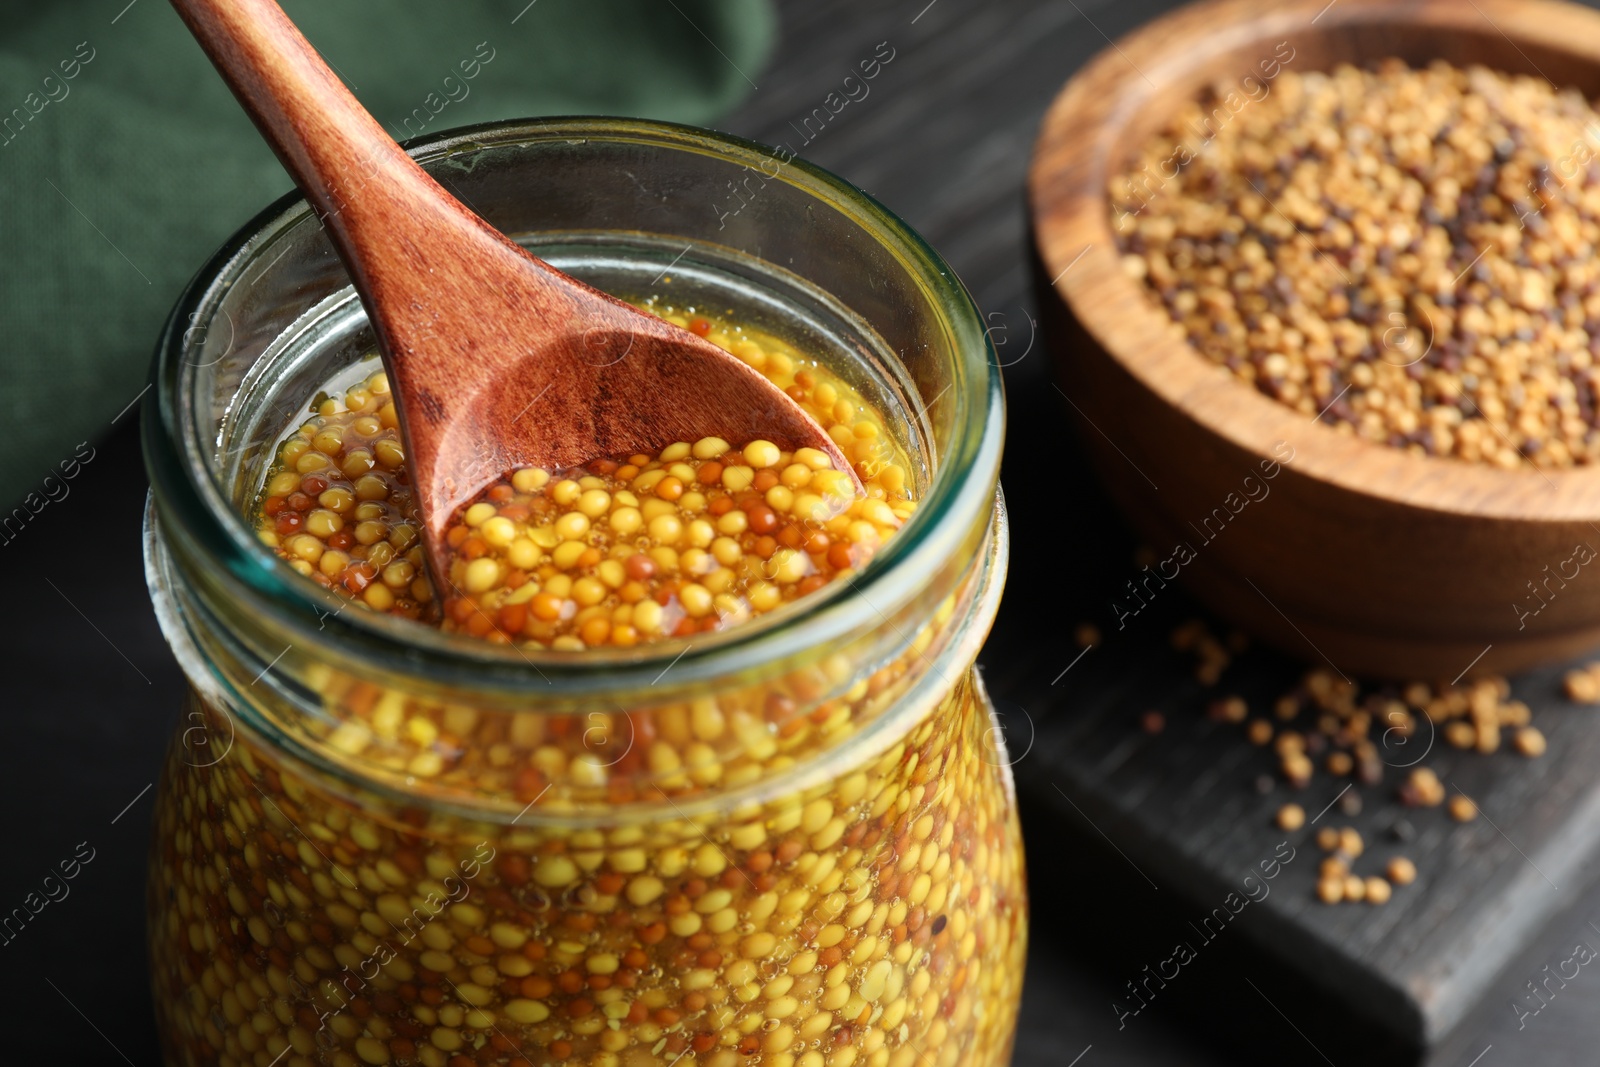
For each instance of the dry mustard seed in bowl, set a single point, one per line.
(1374, 517)
(1407, 254)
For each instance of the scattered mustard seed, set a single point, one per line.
(1402, 871)
(1460, 734)
(1530, 742)
(1297, 769)
(1378, 890)
(1462, 809)
(1212, 657)
(1515, 713)
(1422, 789)
(1291, 817)
(1583, 686)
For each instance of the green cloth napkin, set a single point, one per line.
(125, 161)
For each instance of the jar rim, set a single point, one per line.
(960, 495)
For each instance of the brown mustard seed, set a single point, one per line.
(1462, 809)
(1355, 888)
(1087, 635)
(1333, 867)
(1350, 843)
(1378, 890)
(1330, 890)
(1259, 732)
(1291, 817)
(1152, 722)
(1327, 839)
(1402, 871)
(1391, 250)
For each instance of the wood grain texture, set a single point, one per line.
(1371, 558)
(497, 359)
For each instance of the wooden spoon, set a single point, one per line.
(497, 360)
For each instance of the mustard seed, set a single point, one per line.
(1422, 789)
(1583, 687)
(1460, 734)
(1401, 871)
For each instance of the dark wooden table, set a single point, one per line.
(943, 138)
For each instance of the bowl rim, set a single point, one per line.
(1068, 179)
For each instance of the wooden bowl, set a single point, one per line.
(1346, 551)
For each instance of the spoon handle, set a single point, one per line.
(368, 193)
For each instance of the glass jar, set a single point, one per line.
(792, 842)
